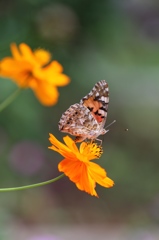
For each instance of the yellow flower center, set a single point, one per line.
(91, 150)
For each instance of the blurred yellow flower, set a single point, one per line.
(35, 70)
(77, 165)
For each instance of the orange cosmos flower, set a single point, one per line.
(33, 69)
(77, 164)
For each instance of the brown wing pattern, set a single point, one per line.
(87, 118)
(77, 120)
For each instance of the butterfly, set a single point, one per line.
(86, 119)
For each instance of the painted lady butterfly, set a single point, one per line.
(87, 118)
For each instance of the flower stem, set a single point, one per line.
(32, 185)
(9, 100)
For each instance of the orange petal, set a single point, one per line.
(71, 144)
(18, 71)
(56, 66)
(77, 173)
(28, 54)
(99, 175)
(59, 79)
(46, 94)
(51, 75)
(60, 147)
(70, 168)
(10, 65)
(86, 183)
(15, 52)
(43, 57)
(57, 143)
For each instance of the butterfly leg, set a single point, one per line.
(99, 141)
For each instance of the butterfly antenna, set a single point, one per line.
(110, 124)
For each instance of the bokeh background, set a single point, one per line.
(93, 40)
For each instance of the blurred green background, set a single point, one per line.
(113, 40)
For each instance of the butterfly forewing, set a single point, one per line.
(97, 101)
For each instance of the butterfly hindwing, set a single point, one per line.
(76, 122)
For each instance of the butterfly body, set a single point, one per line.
(86, 119)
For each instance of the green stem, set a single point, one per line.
(10, 99)
(32, 185)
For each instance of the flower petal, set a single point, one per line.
(10, 66)
(46, 94)
(99, 175)
(57, 66)
(27, 53)
(86, 183)
(53, 73)
(15, 52)
(42, 56)
(16, 70)
(70, 144)
(60, 147)
(77, 173)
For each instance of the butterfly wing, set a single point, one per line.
(77, 121)
(87, 118)
(97, 102)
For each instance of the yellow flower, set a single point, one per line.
(35, 70)
(77, 165)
